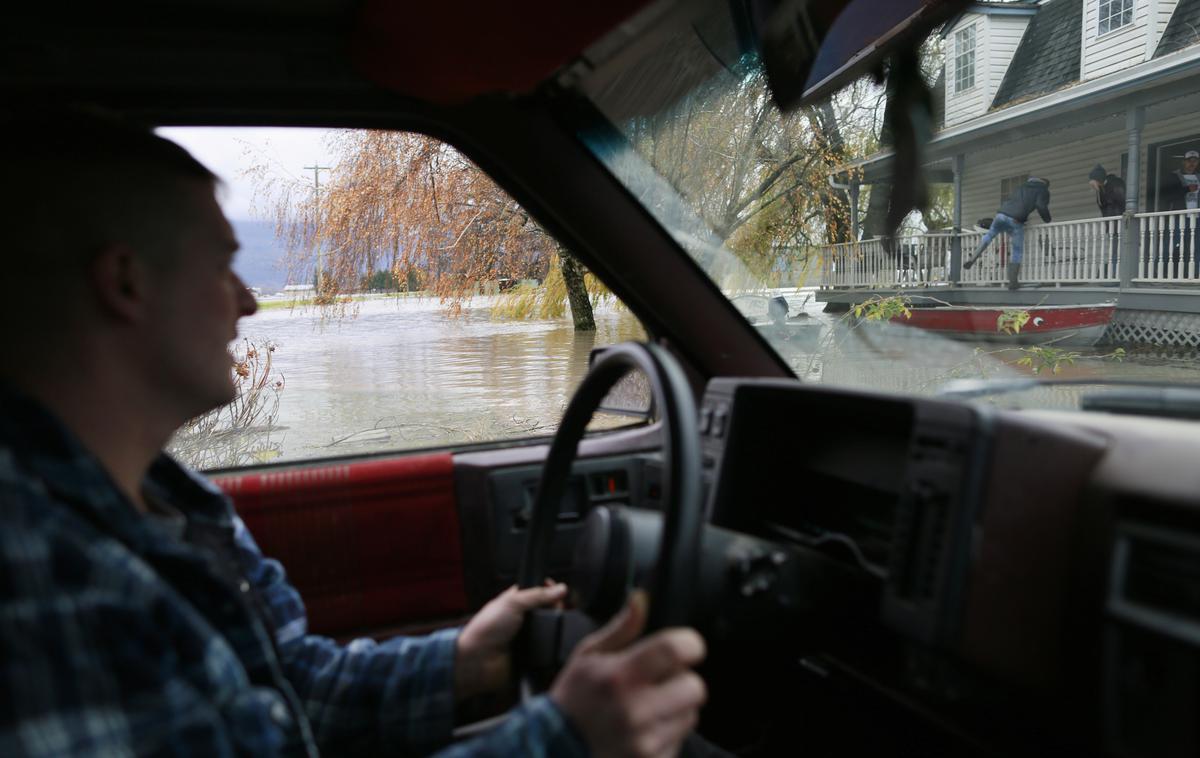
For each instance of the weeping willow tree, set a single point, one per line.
(759, 178)
(417, 211)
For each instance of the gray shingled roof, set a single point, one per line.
(1183, 30)
(1048, 57)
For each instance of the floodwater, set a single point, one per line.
(403, 373)
(395, 374)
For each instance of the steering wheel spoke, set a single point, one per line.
(616, 536)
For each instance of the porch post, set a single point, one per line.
(854, 210)
(1135, 120)
(956, 238)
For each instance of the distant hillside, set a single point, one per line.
(259, 262)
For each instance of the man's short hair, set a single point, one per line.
(79, 179)
(87, 136)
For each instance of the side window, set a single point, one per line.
(1114, 14)
(1011, 183)
(404, 301)
(964, 59)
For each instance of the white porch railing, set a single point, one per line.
(1073, 251)
(1065, 251)
(1168, 247)
(917, 260)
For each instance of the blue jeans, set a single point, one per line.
(1016, 230)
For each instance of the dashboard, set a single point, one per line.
(1028, 582)
(1023, 568)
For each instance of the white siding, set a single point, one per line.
(996, 39)
(961, 106)
(1066, 165)
(1160, 13)
(1115, 51)
(1004, 35)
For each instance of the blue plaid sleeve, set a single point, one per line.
(95, 656)
(398, 695)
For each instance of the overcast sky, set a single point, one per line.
(230, 151)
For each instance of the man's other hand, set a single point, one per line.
(483, 657)
(632, 697)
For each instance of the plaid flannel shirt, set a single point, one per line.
(119, 638)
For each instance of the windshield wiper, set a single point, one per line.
(1170, 402)
(1140, 397)
(984, 387)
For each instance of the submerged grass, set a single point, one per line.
(548, 300)
(308, 302)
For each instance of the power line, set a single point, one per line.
(317, 169)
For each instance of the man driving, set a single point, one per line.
(137, 615)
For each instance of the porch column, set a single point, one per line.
(956, 239)
(1135, 120)
(854, 231)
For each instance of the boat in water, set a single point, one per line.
(800, 332)
(1070, 325)
(772, 316)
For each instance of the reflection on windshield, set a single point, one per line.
(730, 272)
(1066, 250)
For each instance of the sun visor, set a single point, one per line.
(662, 55)
(495, 47)
(812, 48)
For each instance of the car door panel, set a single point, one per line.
(371, 545)
(416, 541)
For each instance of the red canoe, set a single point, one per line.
(1063, 324)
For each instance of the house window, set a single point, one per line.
(1011, 183)
(964, 59)
(1113, 15)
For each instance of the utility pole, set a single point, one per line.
(317, 169)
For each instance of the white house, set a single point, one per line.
(1050, 89)
(1057, 101)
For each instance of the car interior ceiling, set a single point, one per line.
(914, 597)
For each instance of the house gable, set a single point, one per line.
(992, 33)
(1117, 34)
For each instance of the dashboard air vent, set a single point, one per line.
(1164, 576)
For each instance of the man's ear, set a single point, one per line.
(120, 280)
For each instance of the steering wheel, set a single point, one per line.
(671, 583)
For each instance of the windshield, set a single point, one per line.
(1058, 236)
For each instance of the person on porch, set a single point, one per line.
(1180, 191)
(1033, 195)
(1110, 199)
(1110, 191)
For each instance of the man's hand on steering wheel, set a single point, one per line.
(631, 696)
(483, 653)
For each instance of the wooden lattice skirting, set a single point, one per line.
(1160, 328)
